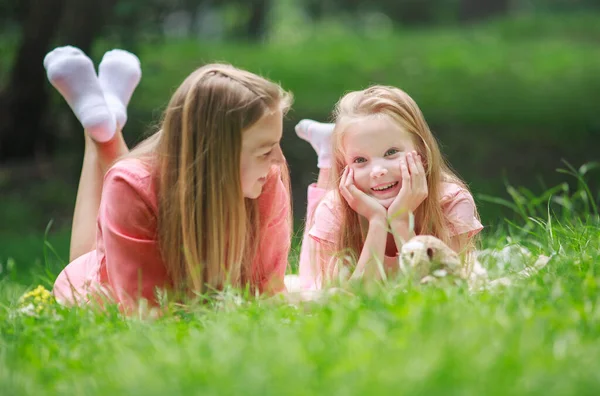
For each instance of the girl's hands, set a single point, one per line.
(360, 202)
(414, 188)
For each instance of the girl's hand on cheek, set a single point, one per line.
(414, 187)
(360, 202)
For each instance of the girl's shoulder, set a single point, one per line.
(330, 203)
(132, 167)
(132, 177)
(451, 192)
(459, 208)
(327, 219)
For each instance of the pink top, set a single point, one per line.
(457, 203)
(127, 263)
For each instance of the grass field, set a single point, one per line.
(538, 336)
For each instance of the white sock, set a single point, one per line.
(319, 136)
(72, 73)
(119, 73)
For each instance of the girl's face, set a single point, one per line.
(260, 150)
(373, 147)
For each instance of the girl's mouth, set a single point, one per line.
(384, 187)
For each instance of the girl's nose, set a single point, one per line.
(278, 157)
(378, 171)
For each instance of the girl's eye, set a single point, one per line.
(265, 155)
(359, 160)
(391, 152)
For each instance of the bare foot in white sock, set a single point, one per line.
(319, 136)
(119, 73)
(72, 73)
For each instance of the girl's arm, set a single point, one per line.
(413, 192)
(373, 250)
(459, 243)
(401, 231)
(327, 265)
(462, 221)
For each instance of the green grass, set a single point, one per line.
(539, 336)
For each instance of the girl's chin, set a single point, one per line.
(386, 202)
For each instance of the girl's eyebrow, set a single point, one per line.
(264, 145)
(354, 153)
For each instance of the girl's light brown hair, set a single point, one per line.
(385, 101)
(208, 233)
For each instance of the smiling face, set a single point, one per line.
(260, 150)
(373, 147)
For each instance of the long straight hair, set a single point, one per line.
(208, 233)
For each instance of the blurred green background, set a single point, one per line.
(510, 87)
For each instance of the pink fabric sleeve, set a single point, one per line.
(460, 211)
(326, 224)
(274, 248)
(127, 236)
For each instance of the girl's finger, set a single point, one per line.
(346, 194)
(343, 178)
(420, 164)
(343, 190)
(405, 174)
(356, 193)
(412, 165)
(349, 178)
(423, 175)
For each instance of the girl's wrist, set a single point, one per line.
(400, 225)
(399, 221)
(397, 216)
(378, 221)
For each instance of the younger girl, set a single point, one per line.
(190, 209)
(384, 165)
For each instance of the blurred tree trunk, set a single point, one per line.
(472, 10)
(23, 102)
(257, 24)
(315, 9)
(23, 105)
(83, 22)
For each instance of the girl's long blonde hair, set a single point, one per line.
(208, 233)
(400, 108)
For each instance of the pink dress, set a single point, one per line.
(127, 264)
(457, 203)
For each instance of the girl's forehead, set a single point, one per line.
(371, 133)
(266, 131)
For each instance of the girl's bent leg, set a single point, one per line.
(97, 159)
(316, 192)
(72, 73)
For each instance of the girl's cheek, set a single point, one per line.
(359, 174)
